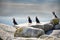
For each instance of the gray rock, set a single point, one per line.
(57, 26)
(48, 27)
(28, 32)
(5, 35)
(47, 37)
(56, 33)
(45, 27)
(7, 28)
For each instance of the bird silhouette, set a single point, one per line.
(29, 19)
(54, 14)
(37, 20)
(14, 21)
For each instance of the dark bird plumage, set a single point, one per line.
(29, 20)
(37, 20)
(14, 21)
(54, 14)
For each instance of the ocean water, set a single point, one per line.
(19, 20)
(24, 18)
(20, 13)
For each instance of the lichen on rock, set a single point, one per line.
(28, 32)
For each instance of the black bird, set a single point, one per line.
(29, 20)
(54, 14)
(37, 20)
(14, 22)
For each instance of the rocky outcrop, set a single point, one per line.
(6, 32)
(57, 26)
(24, 32)
(56, 33)
(5, 35)
(55, 21)
(7, 28)
(45, 27)
(47, 37)
(48, 27)
(28, 32)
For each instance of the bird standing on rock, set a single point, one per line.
(14, 22)
(37, 20)
(29, 20)
(55, 21)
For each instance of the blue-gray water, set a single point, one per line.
(9, 21)
(20, 11)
